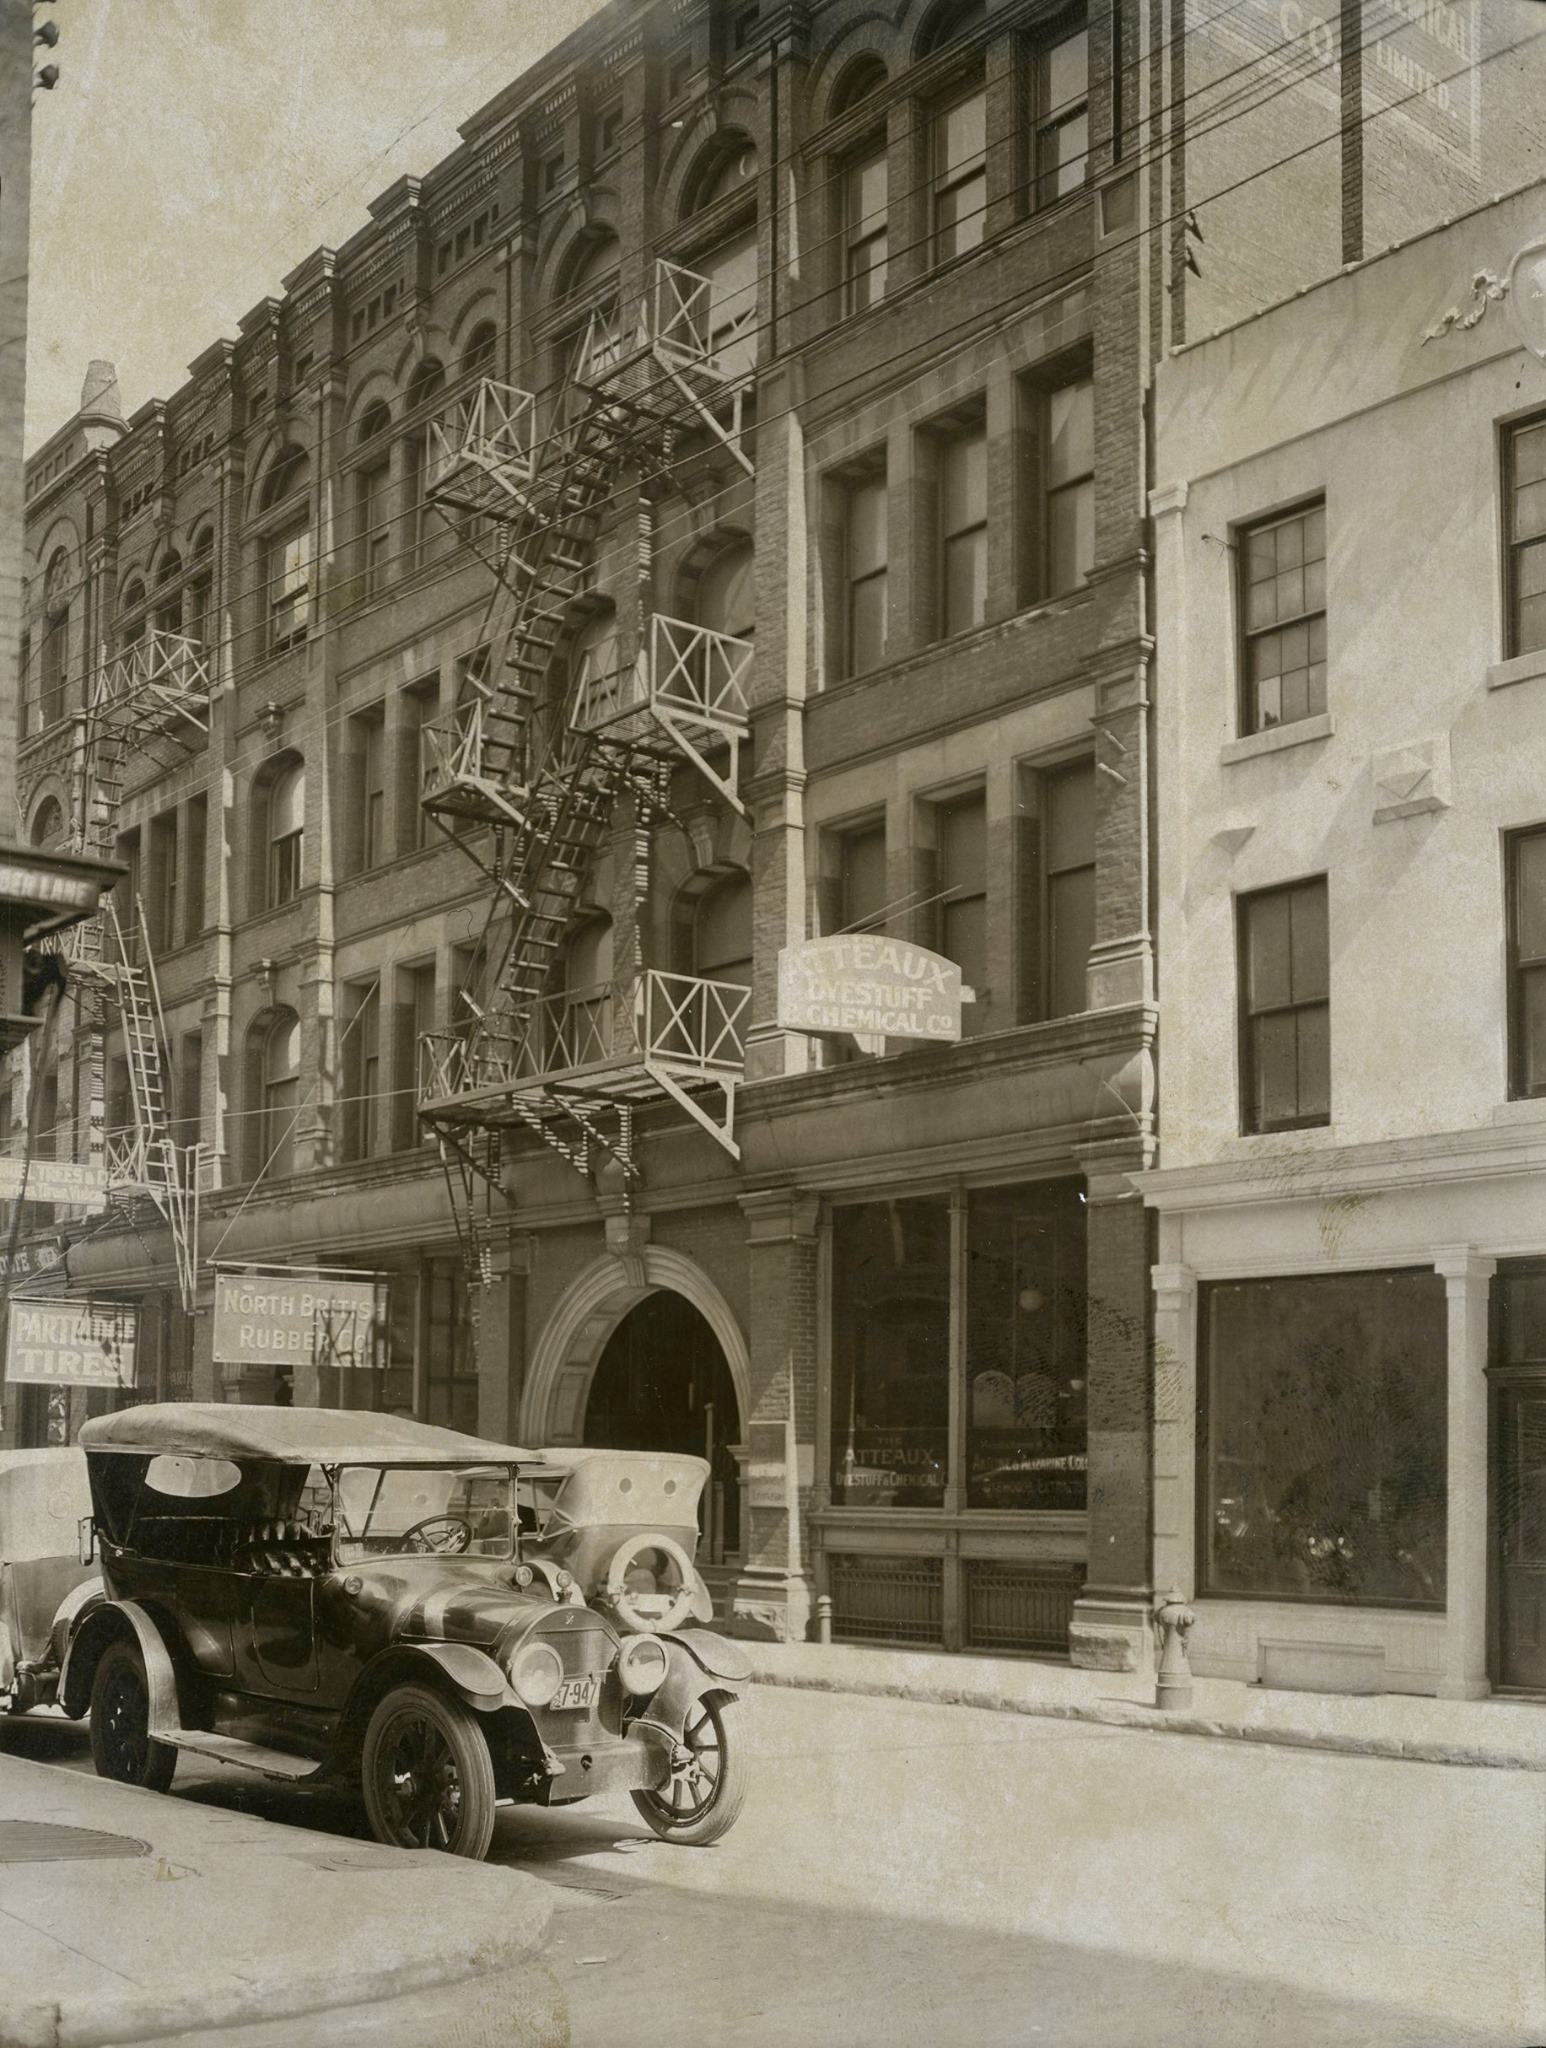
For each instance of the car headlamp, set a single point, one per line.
(642, 1665)
(536, 1673)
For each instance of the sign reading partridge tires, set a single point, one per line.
(295, 1318)
(63, 1343)
(870, 985)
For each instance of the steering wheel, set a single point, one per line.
(453, 1537)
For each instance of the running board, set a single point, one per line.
(251, 1756)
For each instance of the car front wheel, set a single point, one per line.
(122, 1746)
(706, 1790)
(427, 1774)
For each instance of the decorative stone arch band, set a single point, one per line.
(570, 1347)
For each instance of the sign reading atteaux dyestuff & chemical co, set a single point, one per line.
(284, 1317)
(64, 1343)
(872, 986)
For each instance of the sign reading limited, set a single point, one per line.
(871, 986)
(268, 1318)
(63, 1343)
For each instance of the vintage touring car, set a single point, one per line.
(44, 1588)
(308, 1591)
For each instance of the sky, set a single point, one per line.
(194, 151)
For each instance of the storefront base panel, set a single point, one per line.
(1111, 1635)
(1318, 1649)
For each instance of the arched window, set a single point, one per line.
(275, 1065)
(726, 601)
(722, 931)
(171, 565)
(374, 420)
(731, 270)
(201, 588)
(169, 599)
(950, 23)
(424, 387)
(860, 77)
(478, 355)
(284, 835)
(581, 1015)
(591, 280)
(47, 823)
(732, 167)
(287, 474)
(56, 635)
(427, 382)
(132, 610)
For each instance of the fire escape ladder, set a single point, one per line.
(470, 1162)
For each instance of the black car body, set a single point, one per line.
(307, 1590)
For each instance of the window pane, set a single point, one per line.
(1530, 454)
(959, 217)
(960, 135)
(866, 273)
(1532, 1024)
(1062, 159)
(1268, 981)
(867, 527)
(964, 939)
(1067, 74)
(1025, 1347)
(965, 480)
(868, 624)
(1314, 1061)
(1071, 918)
(1324, 1451)
(1069, 827)
(966, 580)
(890, 1353)
(867, 196)
(1308, 943)
(864, 877)
(1530, 896)
(1274, 1064)
(1070, 537)
(963, 844)
(1070, 433)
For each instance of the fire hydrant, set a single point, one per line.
(1173, 1688)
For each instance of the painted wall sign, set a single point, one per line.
(53, 1180)
(62, 1343)
(870, 985)
(268, 1318)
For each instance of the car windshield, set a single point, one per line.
(408, 1510)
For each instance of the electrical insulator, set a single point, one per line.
(48, 77)
(47, 35)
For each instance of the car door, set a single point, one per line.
(282, 1625)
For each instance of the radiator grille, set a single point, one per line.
(1020, 1606)
(584, 1647)
(886, 1599)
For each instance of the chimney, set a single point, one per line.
(99, 393)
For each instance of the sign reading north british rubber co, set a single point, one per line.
(872, 986)
(294, 1318)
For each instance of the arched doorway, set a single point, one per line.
(662, 1383)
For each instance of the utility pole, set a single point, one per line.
(40, 892)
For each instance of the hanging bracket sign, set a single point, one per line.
(63, 1343)
(284, 1318)
(872, 986)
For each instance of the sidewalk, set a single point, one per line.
(1499, 1734)
(173, 1922)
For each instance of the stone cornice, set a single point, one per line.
(1446, 1158)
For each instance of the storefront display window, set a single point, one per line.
(417, 1359)
(891, 1353)
(1025, 1347)
(1322, 1438)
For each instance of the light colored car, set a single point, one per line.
(44, 1587)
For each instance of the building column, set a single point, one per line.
(1467, 1279)
(773, 1593)
(1112, 1627)
(499, 1338)
(1175, 1429)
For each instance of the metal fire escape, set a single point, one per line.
(156, 691)
(545, 763)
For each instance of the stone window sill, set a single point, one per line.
(1524, 668)
(1520, 1109)
(1276, 738)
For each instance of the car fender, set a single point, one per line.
(71, 1612)
(687, 1679)
(714, 1653)
(472, 1674)
(121, 1621)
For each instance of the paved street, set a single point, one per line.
(916, 1874)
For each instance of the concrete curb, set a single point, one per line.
(1121, 1714)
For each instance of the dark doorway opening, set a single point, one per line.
(662, 1384)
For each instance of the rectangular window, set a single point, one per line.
(891, 1353)
(610, 135)
(1063, 119)
(422, 706)
(1282, 568)
(960, 176)
(864, 232)
(373, 526)
(1025, 1351)
(1068, 885)
(372, 730)
(865, 542)
(1527, 962)
(1322, 1439)
(1068, 522)
(164, 880)
(964, 530)
(190, 1072)
(416, 1013)
(450, 1384)
(1285, 1008)
(195, 847)
(361, 1064)
(1525, 513)
(961, 916)
(862, 875)
(200, 601)
(287, 565)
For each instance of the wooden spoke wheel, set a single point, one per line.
(428, 1778)
(122, 1746)
(706, 1790)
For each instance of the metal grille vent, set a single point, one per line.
(886, 1599)
(42, 1841)
(1020, 1607)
